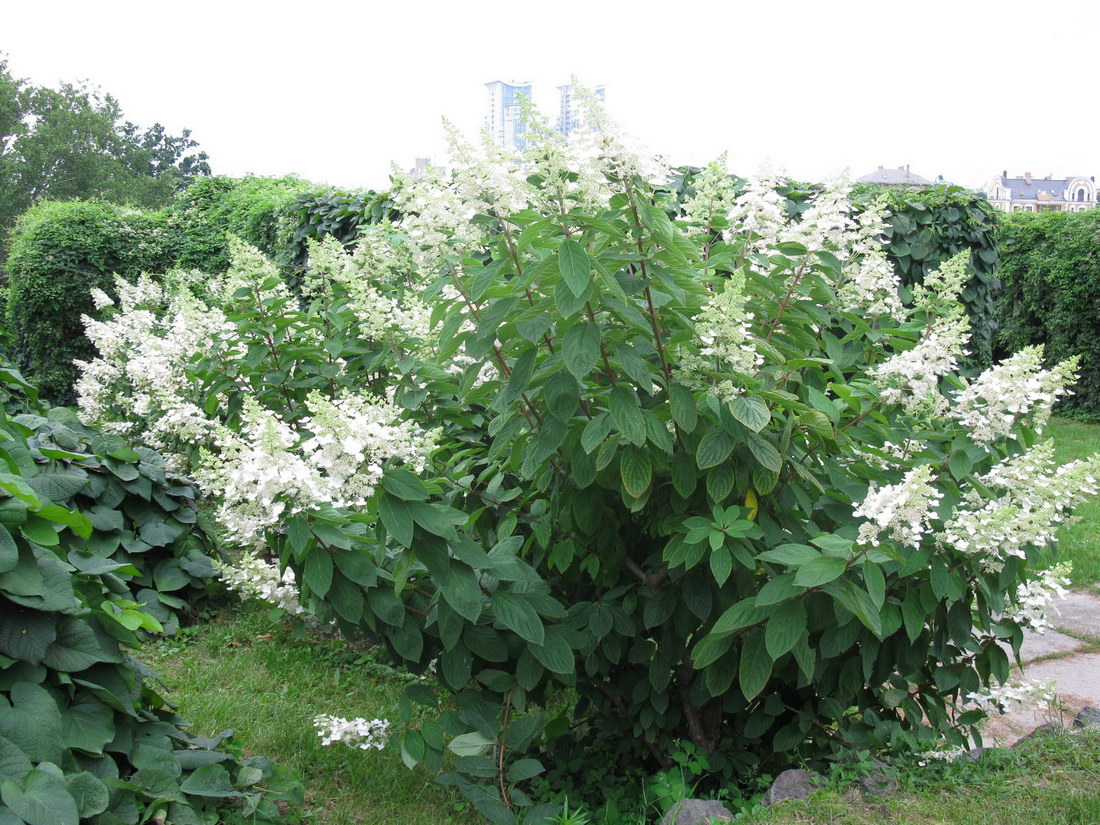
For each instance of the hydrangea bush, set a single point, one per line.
(700, 479)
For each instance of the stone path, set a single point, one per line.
(1068, 656)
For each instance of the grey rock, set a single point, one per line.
(696, 812)
(1088, 717)
(878, 782)
(974, 754)
(791, 784)
(1044, 730)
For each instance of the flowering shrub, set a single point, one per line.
(690, 470)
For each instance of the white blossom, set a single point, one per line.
(355, 733)
(902, 510)
(911, 378)
(1033, 600)
(758, 212)
(1014, 696)
(253, 578)
(1014, 391)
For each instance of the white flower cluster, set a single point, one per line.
(943, 286)
(1015, 390)
(912, 378)
(826, 223)
(905, 509)
(381, 316)
(1033, 497)
(270, 469)
(141, 372)
(254, 578)
(714, 195)
(725, 343)
(870, 282)
(1035, 599)
(355, 733)
(1014, 696)
(758, 212)
(942, 754)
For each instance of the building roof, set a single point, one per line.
(895, 177)
(1023, 191)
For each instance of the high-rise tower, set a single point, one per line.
(505, 120)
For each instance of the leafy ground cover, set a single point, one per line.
(1079, 542)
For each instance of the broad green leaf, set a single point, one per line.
(43, 800)
(88, 726)
(764, 452)
(685, 477)
(76, 647)
(721, 563)
(26, 635)
(742, 614)
(318, 572)
(555, 653)
(793, 555)
(710, 649)
(404, 485)
(397, 519)
(626, 415)
(756, 664)
(779, 589)
(714, 448)
(91, 795)
(213, 781)
(574, 265)
(470, 744)
(819, 571)
(9, 552)
(785, 628)
(515, 612)
(635, 470)
(523, 769)
(875, 583)
(562, 395)
(750, 411)
(682, 404)
(581, 348)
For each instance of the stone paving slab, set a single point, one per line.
(1080, 613)
(1077, 684)
(1045, 644)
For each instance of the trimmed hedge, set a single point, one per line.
(926, 227)
(59, 253)
(1050, 265)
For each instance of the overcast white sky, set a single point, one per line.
(335, 91)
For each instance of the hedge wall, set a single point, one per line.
(59, 252)
(1050, 265)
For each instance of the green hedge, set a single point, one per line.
(926, 227)
(1050, 265)
(59, 252)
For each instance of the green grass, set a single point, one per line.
(241, 672)
(1048, 781)
(1080, 542)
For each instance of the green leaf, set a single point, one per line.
(626, 415)
(76, 647)
(581, 348)
(793, 555)
(714, 448)
(562, 395)
(682, 404)
(764, 452)
(635, 470)
(26, 635)
(14, 764)
(57, 487)
(397, 519)
(742, 614)
(875, 582)
(470, 744)
(684, 475)
(721, 563)
(404, 485)
(523, 769)
(555, 653)
(574, 265)
(9, 551)
(750, 411)
(710, 649)
(91, 795)
(43, 800)
(785, 628)
(40, 532)
(212, 781)
(87, 726)
(317, 574)
(516, 613)
(756, 664)
(522, 369)
(819, 571)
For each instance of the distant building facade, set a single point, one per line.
(570, 114)
(1031, 194)
(422, 167)
(505, 121)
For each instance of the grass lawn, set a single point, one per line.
(1080, 542)
(241, 672)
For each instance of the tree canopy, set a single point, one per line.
(73, 142)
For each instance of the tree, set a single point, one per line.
(73, 143)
